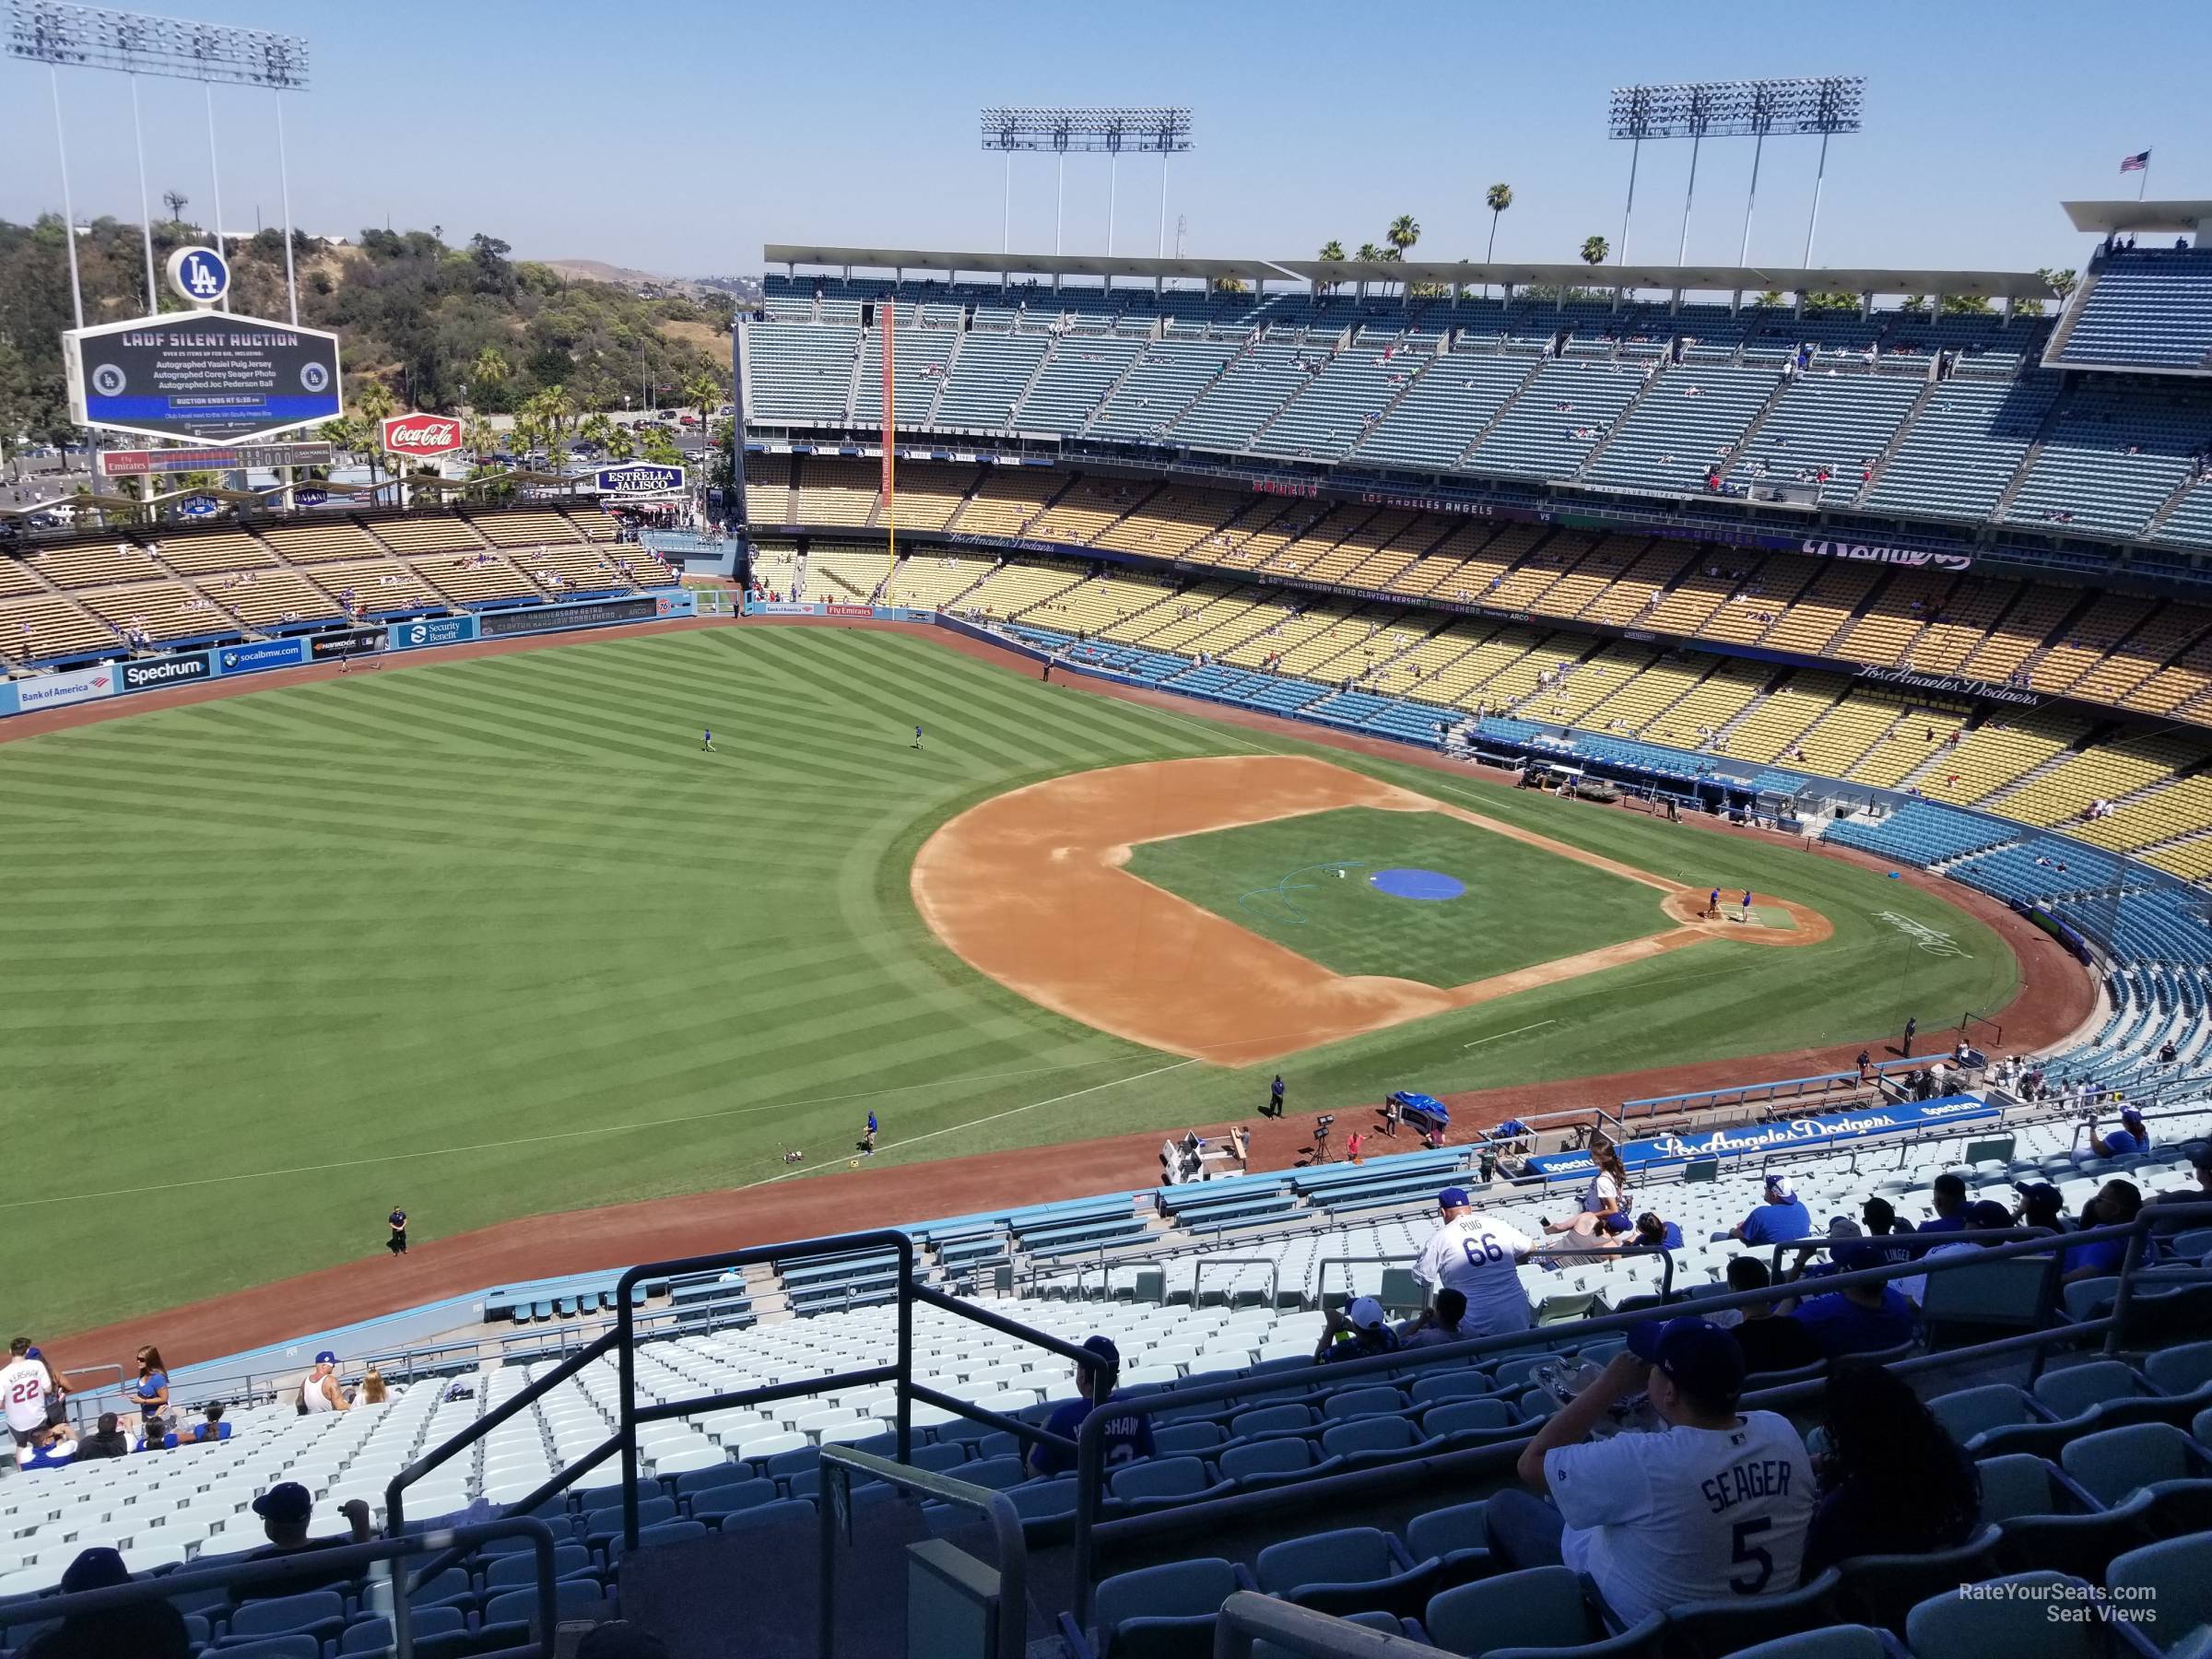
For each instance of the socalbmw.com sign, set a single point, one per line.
(639, 478)
(202, 376)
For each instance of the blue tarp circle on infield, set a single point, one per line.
(1431, 885)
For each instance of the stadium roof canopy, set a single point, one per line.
(2177, 219)
(1992, 285)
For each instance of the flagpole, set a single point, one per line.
(2142, 184)
(890, 437)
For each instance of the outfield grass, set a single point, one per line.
(492, 937)
(1522, 905)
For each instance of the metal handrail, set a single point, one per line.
(1006, 1526)
(336, 1560)
(1090, 1435)
(1248, 1617)
(1273, 1263)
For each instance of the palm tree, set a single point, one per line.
(1405, 231)
(372, 405)
(1497, 198)
(489, 369)
(596, 428)
(1332, 250)
(704, 392)
(1594, 249)
(2062, 283)
(621, 443)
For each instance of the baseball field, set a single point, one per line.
(494, 938)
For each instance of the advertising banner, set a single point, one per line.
(201, 376)
(422, 436)
(260, 656)
(546, 619)
(346, 642)
(7, 698)
(639, 479)
(1810, 1133)
(135, 463)
(780, 607)
(165, 671)
(59, 690)
(848, 610)
(432, 631)
(1877, 553)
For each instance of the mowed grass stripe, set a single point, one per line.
(505, 903)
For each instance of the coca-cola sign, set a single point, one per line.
(422, 435)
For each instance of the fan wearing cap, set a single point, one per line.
(1358, 1331)
(2126, 1141)
(1983, 1215)
(1480, 1257)
(1781, 1216)
(1858, 1319)
(1127, 1438)
(152, 1630)
(1716, 1504)
(319, 1390)
(284, 1510)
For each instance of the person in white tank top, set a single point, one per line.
(320, 1391)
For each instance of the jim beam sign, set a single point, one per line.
(422, 436)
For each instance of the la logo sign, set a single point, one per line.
(200, 276)
(422, 435)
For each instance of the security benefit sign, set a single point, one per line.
(640, 479)
(201, 375)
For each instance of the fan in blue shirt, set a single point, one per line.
(1654, 1234)
(2116, 1201)
(2126, 1141)
(1127, 1438)
(1783, 1216)
(1859, 1319)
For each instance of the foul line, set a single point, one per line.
(977, 1122)
(1501, 1036)
(528, 1140)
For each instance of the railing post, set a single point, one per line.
(626, 1362)
(906, 1367)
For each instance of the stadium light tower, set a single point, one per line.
(1825, 104)
(135, 43)
(1113, 130)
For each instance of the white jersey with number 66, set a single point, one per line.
(1474, 1254)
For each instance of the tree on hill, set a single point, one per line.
(1594, 249)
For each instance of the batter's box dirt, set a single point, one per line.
(1028, 888)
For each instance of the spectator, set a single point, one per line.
(1358, 1331)
(2126, 1141)
(151, 1391)
(1770, 1341)
(2041, 1205)
(212, 1428)
(1661, 1519)
(1652, 1233)
(25, 1384)
(2116, 1201)
(152, 1630)
(108, 1440)
(373, 1387)
(319, 1390)
(284, 1510)
(1858, 1319)
(1479, 1257)
(1893, 1480)
(1127, 1438)
(1984, 1215)
(1780, 1217)
(1439, 1323)
(1879, 1217)
(1949, 1194)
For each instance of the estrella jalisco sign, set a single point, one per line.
(639, 479)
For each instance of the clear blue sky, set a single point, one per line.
(679, 137)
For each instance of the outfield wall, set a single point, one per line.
(126, 677)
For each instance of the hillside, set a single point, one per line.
(438, 325)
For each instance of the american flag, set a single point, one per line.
(2135, 163)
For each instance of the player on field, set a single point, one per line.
(706, 741)
(1712, 905)
(1479, 1257)
(1746, 904)
(917, 737)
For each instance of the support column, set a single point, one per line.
(1813, 224)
